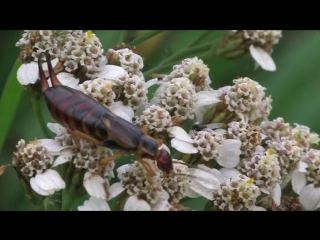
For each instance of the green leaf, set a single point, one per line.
(9, 102)
(144, 37)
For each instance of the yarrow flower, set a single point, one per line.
(212, 145)
(141, 194)
(127, 59)
(35, 162)
(237, 193)
(156, 119)
(87, 158)
(265, 170)
(305, 181)
(260, 44)
(195, 70)
(76, 56)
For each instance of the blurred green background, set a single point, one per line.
(294, 86)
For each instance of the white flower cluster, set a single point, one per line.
(74, 51)
(260, 43)
(195, 70)
(234, 156)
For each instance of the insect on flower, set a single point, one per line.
(87, 119)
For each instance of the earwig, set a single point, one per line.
(87, 119)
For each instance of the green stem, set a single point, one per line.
(178, 56)
(123, 36)
(187, 52)
(144, 37)
(36, 103)
(39, 207)
(67, 201)
(200, 38)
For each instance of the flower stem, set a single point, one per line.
(149, 34)
(200, 38)
(36, 103)
(39, 207)
(123, 36)
(178, 56)
(67, 201)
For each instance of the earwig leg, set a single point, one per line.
(103, 163)
(106, 160)
(77, 134)
(76, 141)
(150, 172)
(160, 142)
(145, 130)
(75, 137)
(76, 144)
(273, 205)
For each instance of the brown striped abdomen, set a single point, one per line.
(76, 111)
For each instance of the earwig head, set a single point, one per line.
(164, 161)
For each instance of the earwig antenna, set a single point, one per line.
(43, 78)
(54, 80)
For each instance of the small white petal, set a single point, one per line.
(276, 195)
(135, 204)
(310, 197)
(161, 205)
(230, 152)
(53, 147)
(260, 150)
(152, 82)
(204, 101)
(68, 79)
(262, 58)
(192, 194)
(125, 112)
(49, 180)
(121, 170)
(229, 173)
(164, 195)
(95, 185)
(257, 208)
(203, 182)
(256, 66)
(285, 180)
(155, 100)
(56, 128)
(182, 146)
(38, 190)
(302, 166)
(214, 172)
(180, 133)
(63, 158)
(201, 190)
(94, 204)
(115, 189)
(28, 73)
(112, 73)
(53, 63)
(159, 90)
(264, 190)
(298, 181)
